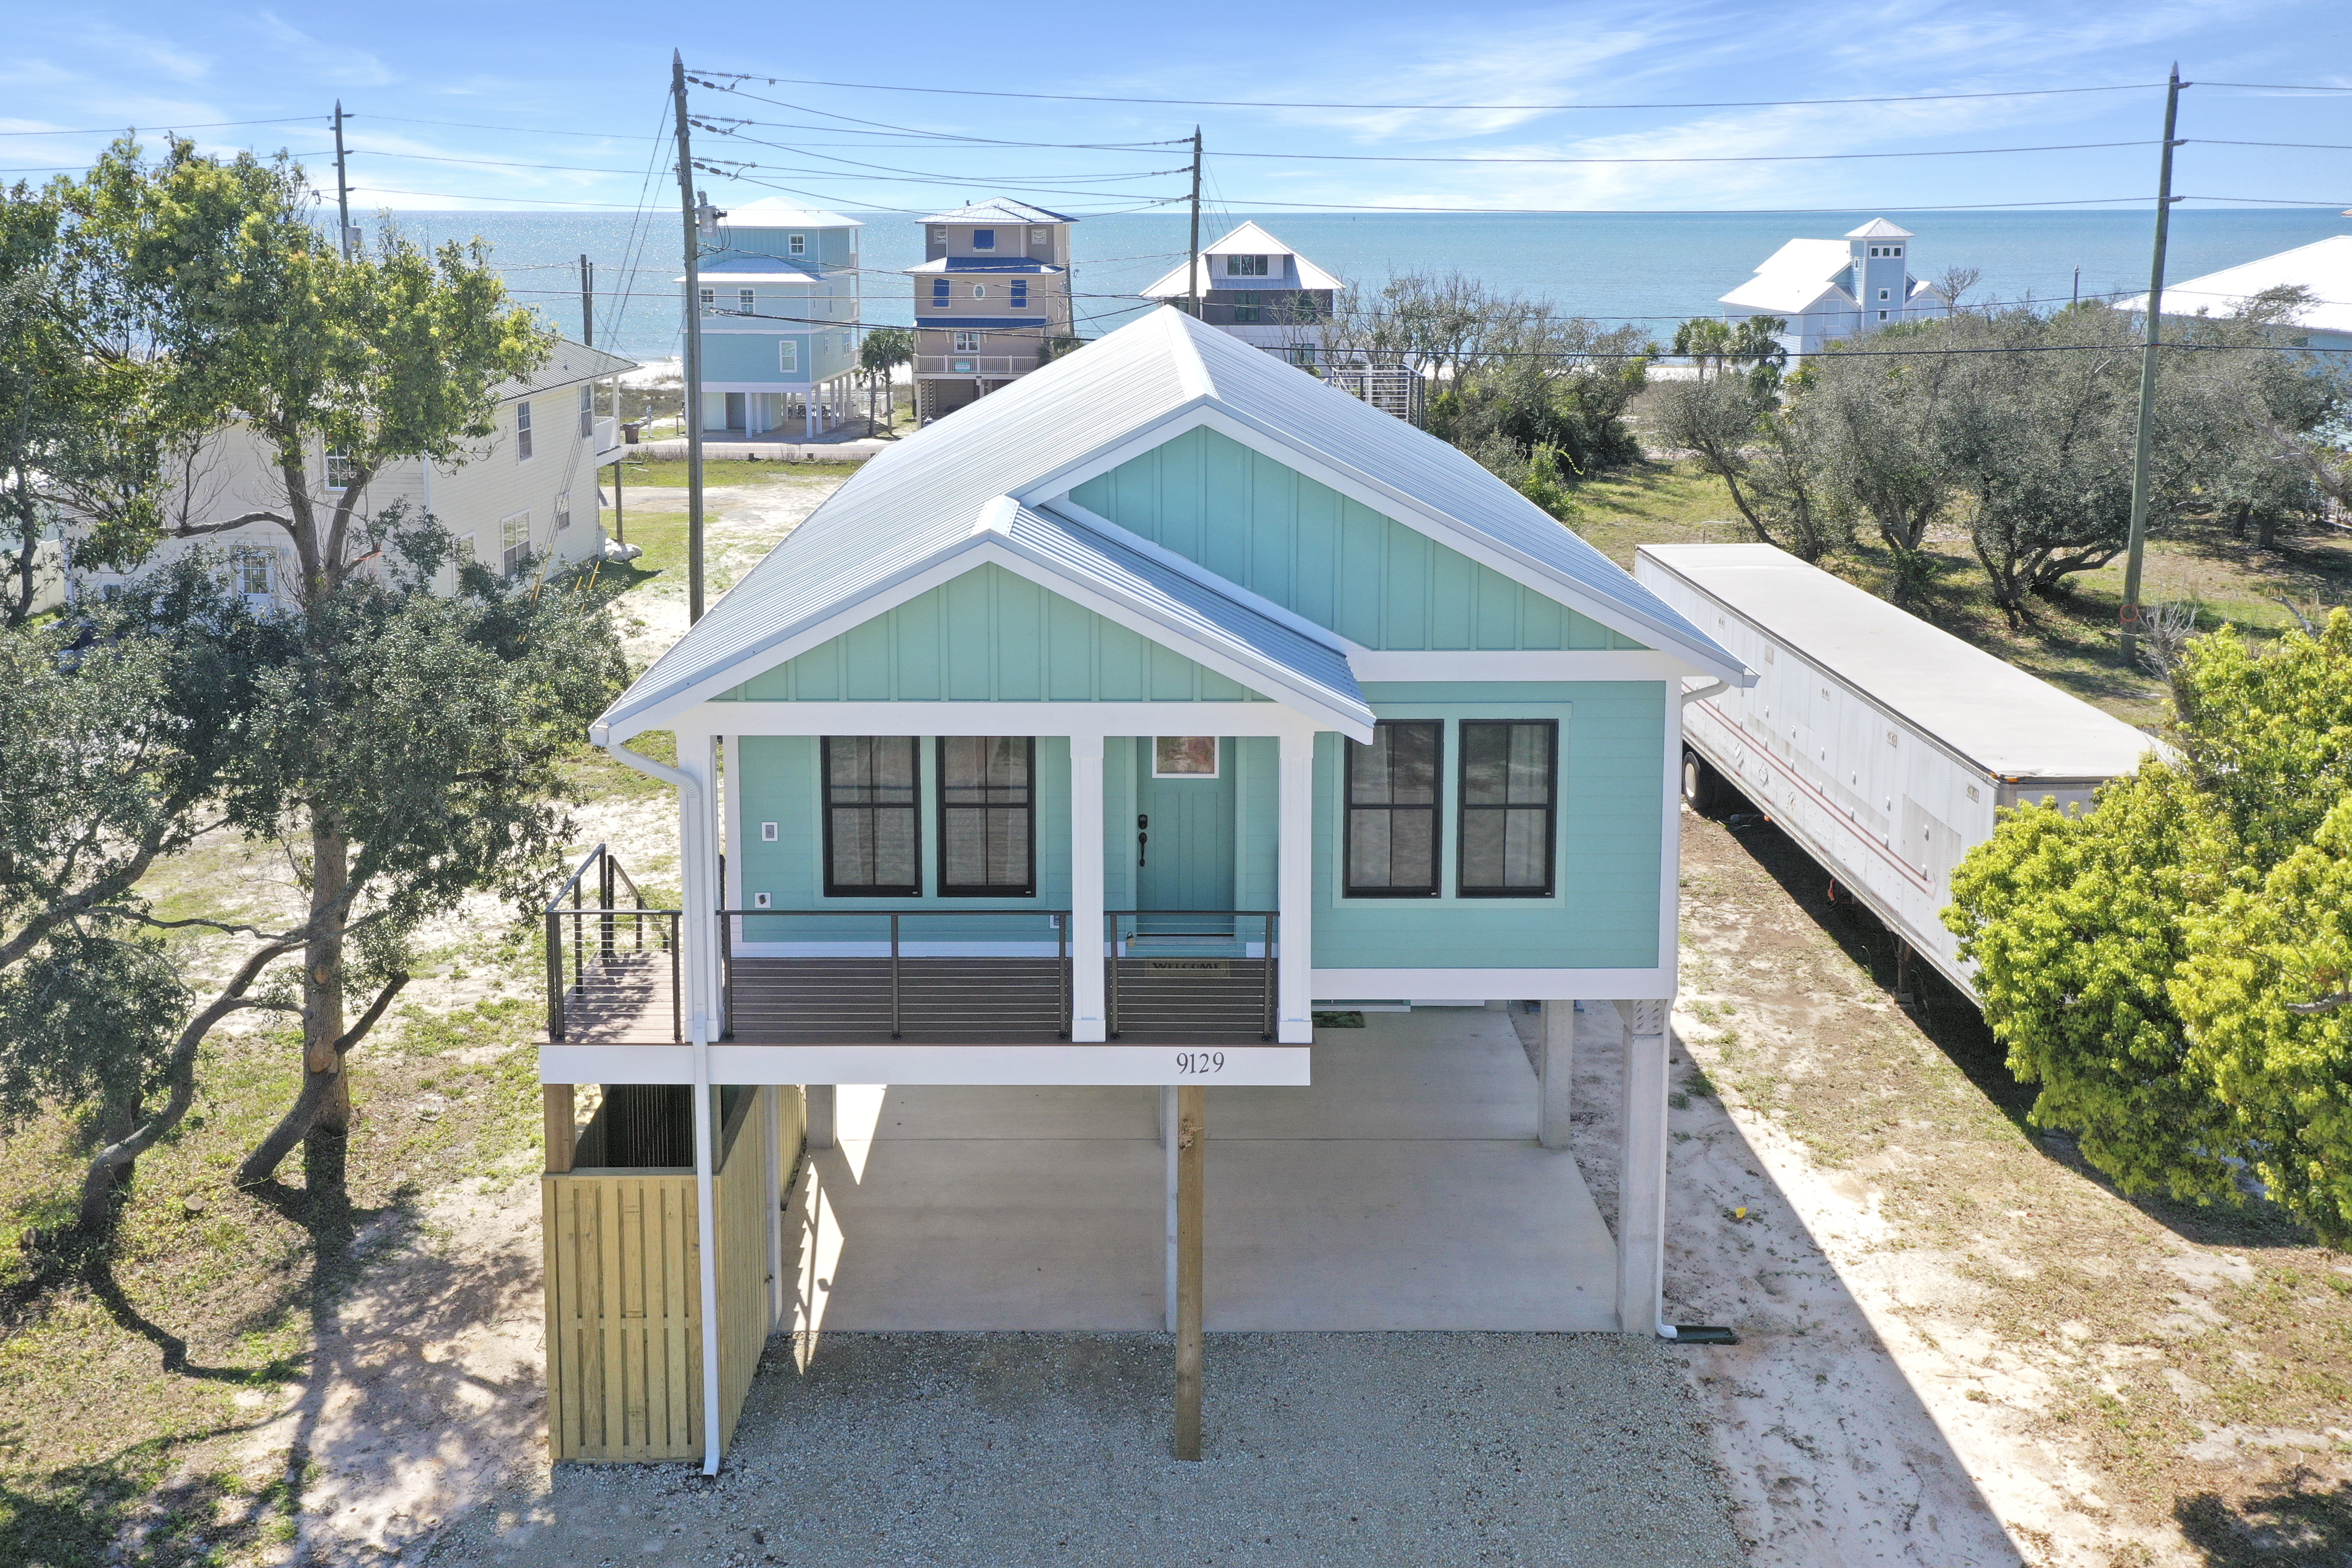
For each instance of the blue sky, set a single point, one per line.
(448, 98)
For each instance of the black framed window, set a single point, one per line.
(871, 840)
(988, 816)
(1510, 770)
(1393, 805)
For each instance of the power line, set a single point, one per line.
(207, 125)
(1435, 108)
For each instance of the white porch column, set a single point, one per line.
(1295, 889)
(1642, 1168)
(1086, 1013)
(1554, 1071)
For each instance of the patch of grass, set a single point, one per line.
(1338, 1020)
(669, 473)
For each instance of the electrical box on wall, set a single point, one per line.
(759, 900)
(768, 831)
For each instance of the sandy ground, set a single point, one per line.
(740, 524)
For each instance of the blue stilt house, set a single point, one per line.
(1106, 732)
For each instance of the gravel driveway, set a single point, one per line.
(1019, 1449)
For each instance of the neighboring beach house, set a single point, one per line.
(2324, 267)
(991, 300)
(527, 495)
(1828, 290)
(780, 321)
(1081, 748)
(1258, 289)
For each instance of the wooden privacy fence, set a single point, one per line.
(624, 1282)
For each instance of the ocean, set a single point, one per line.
(1653, 269)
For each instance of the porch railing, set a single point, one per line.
(855, 971)
(601, 969)
(1195, 974)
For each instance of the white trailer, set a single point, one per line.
(1881, 744)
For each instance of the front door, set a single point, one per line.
(1184, 823)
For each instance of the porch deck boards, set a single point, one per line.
(995, 1001)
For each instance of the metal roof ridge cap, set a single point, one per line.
(1192, 371)
(996, 515)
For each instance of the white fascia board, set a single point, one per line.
(1285, 1066)
(1077, 720)
(1506, 664)
(988, 545)
(1051, 491)
(1496, 985)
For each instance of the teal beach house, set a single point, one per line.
(1105, 734)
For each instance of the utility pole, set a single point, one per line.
(343, 187)
(2146, 450)
(693, 220)
(1196, 273)
(587, 302)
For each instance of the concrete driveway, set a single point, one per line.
(1404, 1190)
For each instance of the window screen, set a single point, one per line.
(870, 847)
(988, 816)
(1393, 788)
(1508, 769)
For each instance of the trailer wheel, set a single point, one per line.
(1699, 782)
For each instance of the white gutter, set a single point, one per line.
(1706, 688)
(706, 1225)
(705, 1211)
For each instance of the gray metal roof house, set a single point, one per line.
(1096, 741)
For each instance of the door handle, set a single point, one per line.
(1142, 835)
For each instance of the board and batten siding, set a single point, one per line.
(623, 1292)
(990, 636)
(1604, 912)
(1259, 523)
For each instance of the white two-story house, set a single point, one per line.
(524, 500)
(1827, 290)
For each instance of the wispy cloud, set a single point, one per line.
(336, 65)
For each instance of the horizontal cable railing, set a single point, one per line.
(1194, 975)
(851, 972)
(611, 968)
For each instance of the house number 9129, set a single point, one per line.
(1193, 1064)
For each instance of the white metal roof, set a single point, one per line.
(1794, 276)
(569, 362)
(770, 213)
(1247, 240)
(2010, 723)
(1151, 381)
(1879, 228)
(1000, 209)
(2324, 267)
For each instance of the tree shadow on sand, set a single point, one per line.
(2303, 1519)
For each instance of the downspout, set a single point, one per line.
(705, 1185)
(1695, 693)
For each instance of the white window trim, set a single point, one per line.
(788, 356)
(524, 443)
(797, 245)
